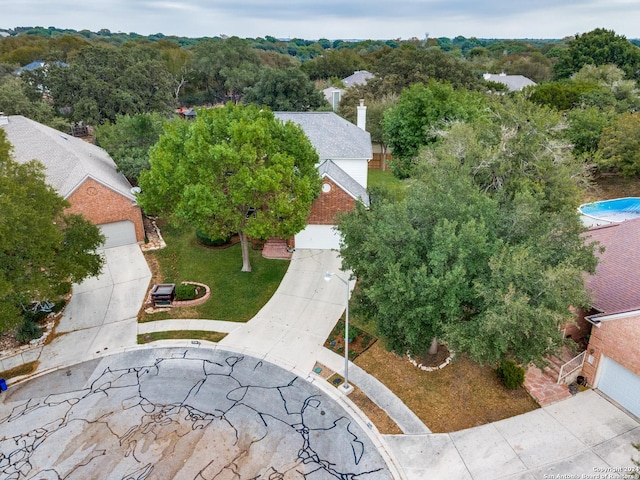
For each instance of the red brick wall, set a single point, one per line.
(618, 340)
(580, 328)
(100, 204)
(328, 204)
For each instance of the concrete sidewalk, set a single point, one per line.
(188, 324)
(578, 437)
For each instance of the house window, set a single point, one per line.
(326, 187)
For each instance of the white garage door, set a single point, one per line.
(620, 384)
(318, 237)
(118, 233)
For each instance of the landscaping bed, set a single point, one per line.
(359, 340)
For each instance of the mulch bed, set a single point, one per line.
(433, 360)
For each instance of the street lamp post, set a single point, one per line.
(345, 386)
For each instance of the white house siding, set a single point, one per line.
(356, 168)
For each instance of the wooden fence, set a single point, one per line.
(376, 162)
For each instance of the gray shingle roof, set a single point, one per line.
(331, 135)
(513, 82)
(345, 181)
(68, 161)
(358, 77)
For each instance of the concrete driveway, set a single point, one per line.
(582, 437)
(102, 313)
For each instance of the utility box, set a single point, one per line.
(163, 294)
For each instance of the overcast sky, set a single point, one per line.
(332, 19)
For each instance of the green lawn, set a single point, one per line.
(384, 179)
(181, 335)
(235, 296)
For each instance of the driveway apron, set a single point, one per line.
(102, 313)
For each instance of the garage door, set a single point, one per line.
(620, 384)
(318, 237)
(118, 233)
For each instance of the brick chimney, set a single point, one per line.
(362, 116)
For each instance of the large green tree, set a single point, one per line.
(129, 139)
(288, 90)
(41, 248)
(620, 145)
(599, 47)
(420, 112)
(102, 82)
(485, 252)
(233, 169)
(223, 68)
(399, 68)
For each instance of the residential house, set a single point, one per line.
(344, 150)
(514, 83)
(81, 173)
(334, 94)
(612, 362)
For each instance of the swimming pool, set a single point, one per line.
(608, 211)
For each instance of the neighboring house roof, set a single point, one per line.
(331, 135)
(346, 182)
(68, 161)
(615, 286)
(513, 82)
(38, 64)
(358, 77)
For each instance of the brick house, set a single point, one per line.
(612, 364)
(344, 150)
(83, 174)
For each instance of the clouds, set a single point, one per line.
(331, 18)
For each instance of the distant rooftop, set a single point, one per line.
(358, 77)
(513, 82)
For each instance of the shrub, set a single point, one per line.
(34, 317)
(28, 331)
(204, 239)
(185, 291)
(63, 289)
(511, 374)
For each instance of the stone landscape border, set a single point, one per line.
(431, 369)
(196, 301)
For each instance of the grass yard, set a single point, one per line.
(24, 369)
(181, 335)
(235, 296)
(384, 179)
(461, 395)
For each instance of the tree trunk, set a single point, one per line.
(433, 349)
(384, 157)
(244, 244)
